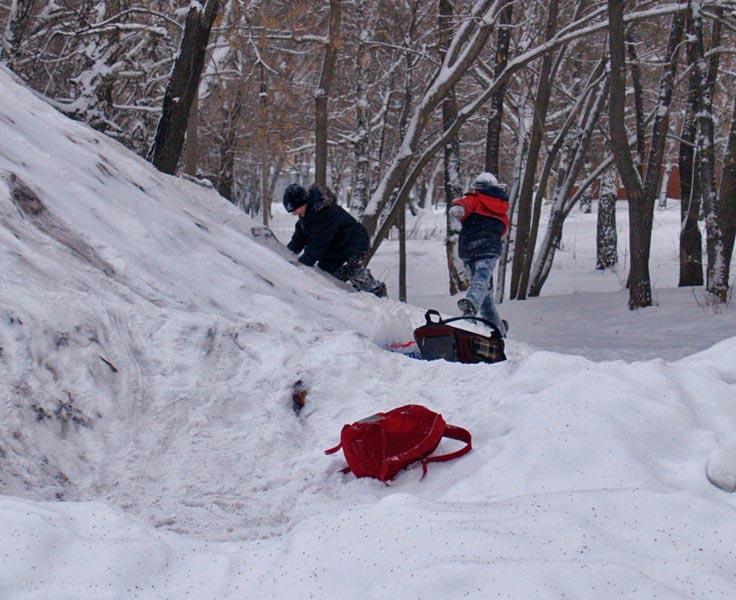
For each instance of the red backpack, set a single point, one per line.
(381, 445)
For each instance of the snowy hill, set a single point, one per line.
(147, 351)
(136, 310)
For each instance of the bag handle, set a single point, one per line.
(440, 321)
(455, 433)
(431, 313)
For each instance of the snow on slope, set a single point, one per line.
(148, 349)
(146, 339)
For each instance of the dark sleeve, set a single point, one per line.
(321, 234)
(298, 240)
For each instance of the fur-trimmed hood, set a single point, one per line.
(319, 197)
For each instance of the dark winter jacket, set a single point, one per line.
(484, 222)
(327, 234)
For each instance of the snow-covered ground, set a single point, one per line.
(148, 448)
(582, 310)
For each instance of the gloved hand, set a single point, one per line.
(457, 211)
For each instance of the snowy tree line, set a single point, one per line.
(396, 103)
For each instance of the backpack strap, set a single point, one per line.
(455, 433)
(333, 450)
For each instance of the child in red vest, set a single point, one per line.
(483, 214)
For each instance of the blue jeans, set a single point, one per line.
(480, 293)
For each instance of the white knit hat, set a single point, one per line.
(485, 178)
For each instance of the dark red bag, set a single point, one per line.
(381, 445)
(436, 339)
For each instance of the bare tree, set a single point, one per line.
(522, 249)
(365, 25)
(191, 142)
(716, 277)
(322, 94)
(727, 197)
(664, 186)
(495, 117)
(465, 47)
(231, 115)
(453, 187)
(572, 138)
(691, 243)
(408, 162)
(565, 197)
(183, 84)
(634, 70)
(606, 236)
(17, 19)
(641, 194)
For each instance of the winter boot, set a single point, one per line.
(380, 291)
(466, 307)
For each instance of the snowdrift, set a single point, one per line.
(146, 337)
(147, 351)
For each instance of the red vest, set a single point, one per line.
(488, 206)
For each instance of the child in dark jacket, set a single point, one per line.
(329, 236)
(483, 214)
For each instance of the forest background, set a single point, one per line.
(397, 104)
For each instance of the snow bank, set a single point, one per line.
(148, 351)
(586, 478)
(135, 311)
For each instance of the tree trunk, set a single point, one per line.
(402, 254)
(564, 197)
(640, 292)
(716, 276)
(226, 178)
(264, 118)
(635, 71)
(453, 188)
(522, 145)
(323, 93)
(586, 203)
(182, 87)
(641, 195)
(400, 216)
(18, 14)
(664, 185)
(571, 143)
(361, 161)
(495, 117)
(561, 208)
(727, 197)
(191, 144)
(523, 253)
(606, 236)
(265, 199)
(660, 128)
(691, 243)
(378, 163)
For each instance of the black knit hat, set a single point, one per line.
(294, 197)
